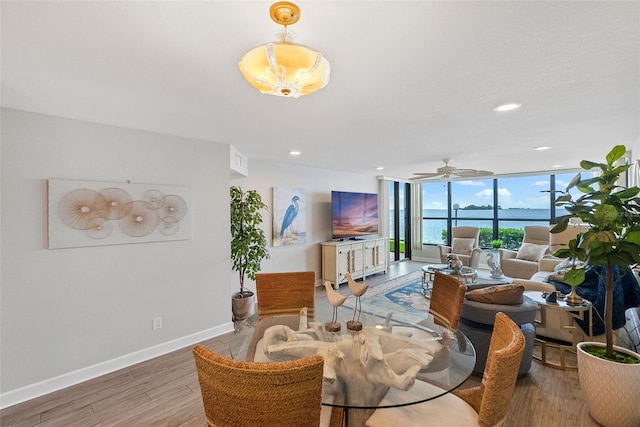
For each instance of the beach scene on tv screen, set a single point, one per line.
(354, 214)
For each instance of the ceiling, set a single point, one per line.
(412, 82)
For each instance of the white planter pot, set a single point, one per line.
(611, 390)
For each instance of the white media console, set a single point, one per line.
(359, 257)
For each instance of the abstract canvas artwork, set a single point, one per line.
(91, 213)
(289, 225)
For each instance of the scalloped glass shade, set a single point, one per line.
(284, 68)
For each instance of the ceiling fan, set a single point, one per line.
(446, 172)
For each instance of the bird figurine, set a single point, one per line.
(290, 215)
(335, 300)
(357, 289)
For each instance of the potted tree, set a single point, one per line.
(609, 376)
(248, 245)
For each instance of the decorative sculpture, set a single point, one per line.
(357, 289)
(361, 366)
(454, 263)
(493, 261)
(335, 300)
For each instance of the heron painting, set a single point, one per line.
(288, 216)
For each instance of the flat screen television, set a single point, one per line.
(353, 214)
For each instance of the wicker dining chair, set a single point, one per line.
(248, 394)
(484, 405)
(285, 293)
(447, 297)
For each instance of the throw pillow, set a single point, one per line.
(564, 266)
(499, 294)
(462, 246)
(531, 252)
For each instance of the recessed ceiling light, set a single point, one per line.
(509, 106)
(557, 166)
(295, 153)
(542, 147)
(380, 168)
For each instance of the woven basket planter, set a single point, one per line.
(242, 306)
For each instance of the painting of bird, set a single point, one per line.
(288, 216)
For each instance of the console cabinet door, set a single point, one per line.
(376, 254)
(344, 264)
(381, 255)
(370, 257)
(357, 260)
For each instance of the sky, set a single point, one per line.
(519, 192)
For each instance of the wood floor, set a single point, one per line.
(164, 391)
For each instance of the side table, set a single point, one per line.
(573, 313)
(466, 275)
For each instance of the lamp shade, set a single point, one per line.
(284, 68)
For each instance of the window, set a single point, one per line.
(561, 182)
(522, 202)
(399, 203)
(500, 207)
(435, 212)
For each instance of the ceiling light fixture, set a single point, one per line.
(542, 147)
(295, 152)
(510, 106)
(282, 67)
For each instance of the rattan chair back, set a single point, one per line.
(248, 394)
(285, 293)
(447, 297)
(501, 371)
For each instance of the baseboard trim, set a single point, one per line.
(22, 394)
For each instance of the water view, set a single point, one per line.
(432, 229)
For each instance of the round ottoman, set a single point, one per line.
(476, 322)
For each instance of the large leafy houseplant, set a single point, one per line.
(248, 241)
(613, 212)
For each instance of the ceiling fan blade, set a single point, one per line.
(427, 174)
(427, 177)
(446, 172)
(471, 173)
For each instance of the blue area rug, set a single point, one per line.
(401, 296)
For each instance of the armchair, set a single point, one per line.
(464, 243)
(523, 263)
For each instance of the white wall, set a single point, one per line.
(317, 183)
(71, 314)
(68, 314)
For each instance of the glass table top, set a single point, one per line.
(422, 359)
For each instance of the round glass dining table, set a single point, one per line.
(420, 361)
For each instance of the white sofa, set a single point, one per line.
(556, 320)
(540, 236)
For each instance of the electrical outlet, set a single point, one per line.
(156, 323)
